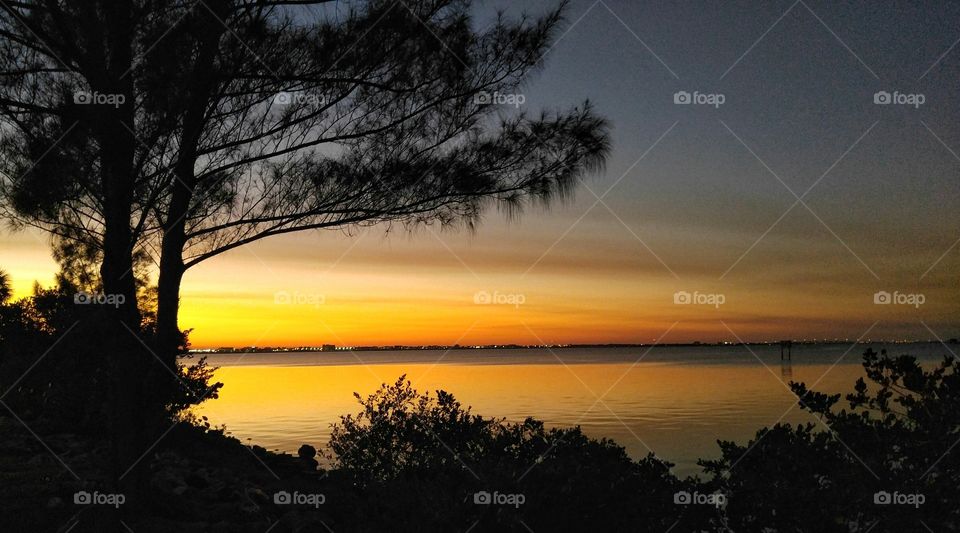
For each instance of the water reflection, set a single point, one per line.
(786, 370)
(674, 402)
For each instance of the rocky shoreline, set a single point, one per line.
(200, 481)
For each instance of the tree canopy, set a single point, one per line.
(247, 119)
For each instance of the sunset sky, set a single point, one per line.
(695, 198)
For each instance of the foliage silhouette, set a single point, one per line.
(896, 437)
(6, 290)
(422, 458)
(41, 377)
(173, 131)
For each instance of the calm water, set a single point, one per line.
(675, 401)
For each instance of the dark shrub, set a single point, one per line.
(889, 463)
(430, 464)
(53, 363)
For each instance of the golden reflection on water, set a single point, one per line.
(676, 410)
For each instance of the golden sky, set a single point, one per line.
(550, 279)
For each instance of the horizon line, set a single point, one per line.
(397, 347)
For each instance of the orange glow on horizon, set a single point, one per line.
(593, 287)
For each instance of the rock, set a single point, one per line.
(257, 496)
(248, 507)
(307, 452)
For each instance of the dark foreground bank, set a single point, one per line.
(883, 459)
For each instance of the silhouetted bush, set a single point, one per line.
(46, 352)
(884, 464)
(428, 463)
(54, 364)
(887, 463)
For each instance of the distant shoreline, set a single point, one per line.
(395, 348)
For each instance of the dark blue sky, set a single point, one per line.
(799, 81)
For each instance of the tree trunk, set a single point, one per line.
(203, 82)
(128, 357)
(169, 336)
